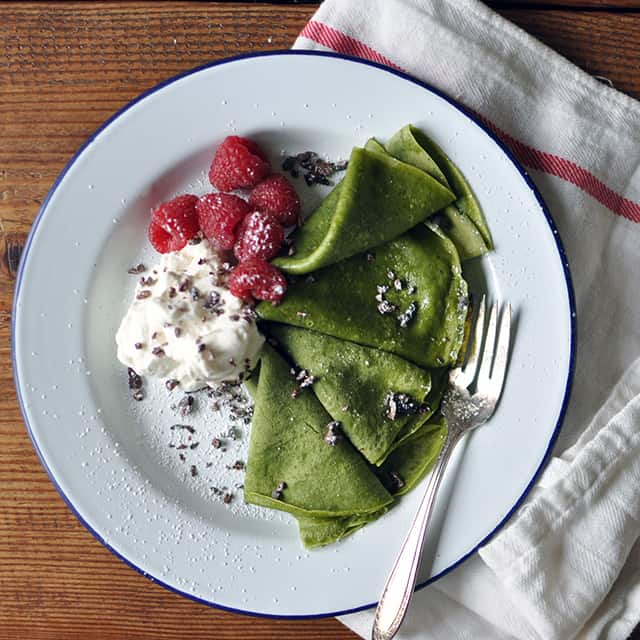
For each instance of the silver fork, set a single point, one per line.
(463, 411)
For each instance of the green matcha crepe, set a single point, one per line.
(439, 378)
(456, 225)
(379, 198)
(331, 490)
(411, 461)
(423, 320)
(287, 446)
(401, 472)
(319, 532)
(463, 221)
(355, 385)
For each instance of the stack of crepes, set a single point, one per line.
(375, 312)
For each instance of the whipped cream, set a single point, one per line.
(185, 325)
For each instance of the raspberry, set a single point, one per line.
(174, 223)
(219, 215)
(162, 241)
(238, 162)
(276, 195)
(259, 236)
(259, 279)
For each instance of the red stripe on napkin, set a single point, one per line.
(342, 43)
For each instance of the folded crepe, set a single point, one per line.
(290, 465)
(331, 490)
(462, 221)
(400, 473)
(378, 199)
(375, 395)
(419, 315)
(386, 191)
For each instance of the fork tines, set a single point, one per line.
(493, 361)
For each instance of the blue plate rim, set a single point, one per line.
(466, 112)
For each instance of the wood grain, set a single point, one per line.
(64, 68)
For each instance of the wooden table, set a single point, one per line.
(64, 68)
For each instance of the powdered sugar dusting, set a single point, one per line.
(206, 447)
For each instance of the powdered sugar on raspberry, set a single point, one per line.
(220, 215)
(238, 163)
(276, 196)
(260, 236)
(258, 279)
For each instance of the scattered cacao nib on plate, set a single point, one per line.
(171, 384)
(139, 268)
(315, 169)
(186, 405)
(135, 381)
(186, 427)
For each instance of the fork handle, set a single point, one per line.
(400, 584)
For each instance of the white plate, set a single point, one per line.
(110, 460)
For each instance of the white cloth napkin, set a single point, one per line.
(567, 564)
